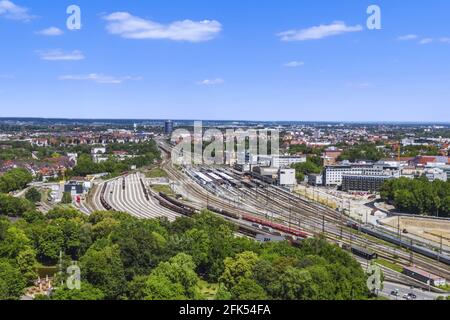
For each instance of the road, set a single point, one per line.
(404, 290)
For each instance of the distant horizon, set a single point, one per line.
(24, 118)
(181, 59)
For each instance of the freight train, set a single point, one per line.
(144, 189)
(174, 205)
(267, 225)
(361, 252)
(402, 243)
(104, 203)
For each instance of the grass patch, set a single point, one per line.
(390, 265)
(208, 290)
(164, 189)
(445, 288)
(156, 173)
(44, 271)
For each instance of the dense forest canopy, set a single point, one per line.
(418, 196)
(122, 257)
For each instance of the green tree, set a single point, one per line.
(141, 245)
(238, 268)
(14, 179)
(33, 195)
(248, 289)
(103, 268)
(12, 283)
(50, 242)
(67, 198)
(173, 280)
(87, 292)
(14, 241)
(15, 207)
(27, 263)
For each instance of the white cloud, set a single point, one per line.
(423, 41)
(59, 55)
(100, 78)
(426, 41)
(211, 82)
(11, 11)
(294, 64)
(318, 32)
(131, 27)
(359, 85)
(408, 37)
(52, 31)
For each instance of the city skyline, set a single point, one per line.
(296, 61)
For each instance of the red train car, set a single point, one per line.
(275, 226)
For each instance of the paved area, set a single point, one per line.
(405, 290)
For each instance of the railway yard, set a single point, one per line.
(259, 208)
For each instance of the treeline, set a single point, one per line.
(418, 196)
(365, 151)
(122, 257)
(14, 207)
(413, 151)
(145, 155)
(14, 179)
(313, 164)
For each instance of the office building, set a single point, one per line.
(168, 127)
(363, 182)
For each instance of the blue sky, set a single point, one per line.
(226, 59)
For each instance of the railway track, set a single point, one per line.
(315, 218)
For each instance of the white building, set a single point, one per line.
(279, 161)
(101, 150)
(287, 161)
(332, 175)
(286, 177)
(433, 174)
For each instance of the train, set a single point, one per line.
(275, 226)
(175, 205)
(265, 225)
(104, 203)
(361, 252)
(144, 189)
(224, 212)
(402, 243)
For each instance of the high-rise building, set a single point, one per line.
(168, 127)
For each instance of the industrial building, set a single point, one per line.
(286, 177)
(315, 179)
(74, 188)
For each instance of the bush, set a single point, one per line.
(33, 195)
